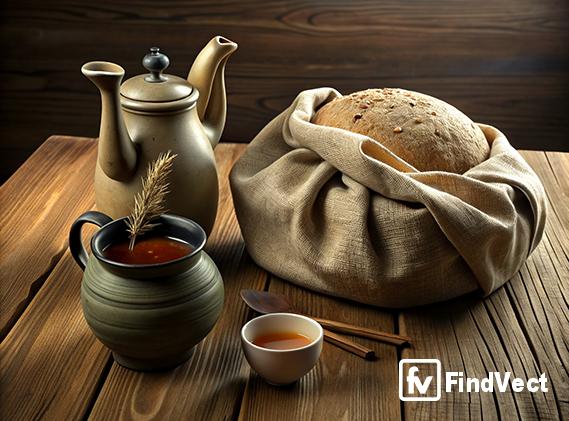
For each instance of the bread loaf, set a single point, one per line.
(426, 132)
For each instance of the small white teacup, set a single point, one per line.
(278, 366)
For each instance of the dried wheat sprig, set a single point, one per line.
(149, 202)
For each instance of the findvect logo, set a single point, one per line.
(420, 380)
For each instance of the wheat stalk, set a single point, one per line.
(149, 202)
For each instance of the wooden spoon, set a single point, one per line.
(253, 301)
(268, 302)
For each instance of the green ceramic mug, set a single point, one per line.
(151, 316)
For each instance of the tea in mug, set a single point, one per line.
(148, 251)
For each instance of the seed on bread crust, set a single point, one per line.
(409, 131)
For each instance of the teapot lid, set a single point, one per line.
(155, 91)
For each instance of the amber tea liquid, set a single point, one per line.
(147, 251)
(282, 340)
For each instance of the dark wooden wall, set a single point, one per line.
(503, 62)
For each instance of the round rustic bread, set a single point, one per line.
(426, 132)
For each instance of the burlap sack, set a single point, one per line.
(336, 212)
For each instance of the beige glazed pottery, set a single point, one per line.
(156, 112)
(150, 316)
(281, 367)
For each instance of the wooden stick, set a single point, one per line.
(350, 346)
(363, 332)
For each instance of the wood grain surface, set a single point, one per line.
(37, 206)
(504, 63)
(51, 364)
(52, 367)
(521, 328)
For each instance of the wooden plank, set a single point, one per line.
(37, 206)
(521, 328)
(485, 57)
(342, 386)
(50, 362)
(546, 275)
(210, 384)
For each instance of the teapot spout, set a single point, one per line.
(208, 76)
(117, 155)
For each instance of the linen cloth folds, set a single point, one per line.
(336, 212)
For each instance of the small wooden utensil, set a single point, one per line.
(253, 301)
(364, 332)
(350, 346)
(268, 302)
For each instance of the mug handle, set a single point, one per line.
(75, 245)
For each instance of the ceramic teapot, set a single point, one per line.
(156, 112)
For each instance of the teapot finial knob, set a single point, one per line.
(155, 62)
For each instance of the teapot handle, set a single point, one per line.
(75, 244)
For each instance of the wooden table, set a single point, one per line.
(52, 367)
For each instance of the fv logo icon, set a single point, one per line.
(419, 379)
